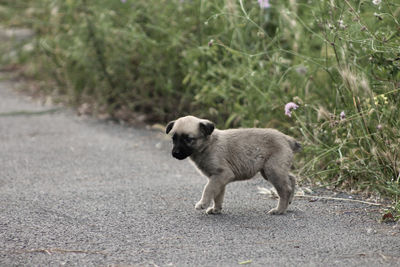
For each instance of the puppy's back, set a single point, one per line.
(263, 138)
(246, 150)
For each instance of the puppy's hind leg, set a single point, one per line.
(292, 179)
(280, 179)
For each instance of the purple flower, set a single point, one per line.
(264, 3)
(288, 108)
(123, 1)
(342, 115)
(379, 127)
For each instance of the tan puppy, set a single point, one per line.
(231, 155)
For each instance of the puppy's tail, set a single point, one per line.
(294, 145)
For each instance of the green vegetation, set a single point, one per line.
(238, 64)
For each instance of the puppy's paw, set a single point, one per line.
(213, 210)
(276, 211)
(201, 206)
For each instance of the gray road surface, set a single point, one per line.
(80, 192)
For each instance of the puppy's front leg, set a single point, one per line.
(217, 203)
(212, 188)
(215, 190)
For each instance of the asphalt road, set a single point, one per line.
(77, 191)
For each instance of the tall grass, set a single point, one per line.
(238, 64)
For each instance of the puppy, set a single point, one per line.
(231, 155)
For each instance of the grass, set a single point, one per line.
(237, 64)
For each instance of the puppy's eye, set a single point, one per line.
(189, 139)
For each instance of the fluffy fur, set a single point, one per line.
(231, 155)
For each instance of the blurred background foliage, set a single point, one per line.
(237, 63)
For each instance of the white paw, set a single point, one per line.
(212, 210)
(275, 211)
(200, 206)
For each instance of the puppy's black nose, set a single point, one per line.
(178, 154)
(175, 152)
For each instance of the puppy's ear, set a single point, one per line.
(169, 127)
(206, 127)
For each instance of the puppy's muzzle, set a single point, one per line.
(176, 153)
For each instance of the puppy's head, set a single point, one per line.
(189, 134)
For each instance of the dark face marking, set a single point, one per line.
(183, 146)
